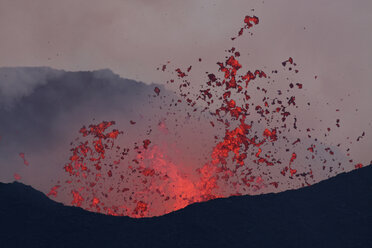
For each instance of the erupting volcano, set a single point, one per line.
(258, 144)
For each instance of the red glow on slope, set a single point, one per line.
(17, 177)
(358, 166)
(53, 191)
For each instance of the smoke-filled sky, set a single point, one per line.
(328, 40)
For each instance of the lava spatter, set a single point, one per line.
(22, 155)
(157, 90)
(249, 21)
(142, 180)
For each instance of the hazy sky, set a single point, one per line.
(132, 37)
(330, 39)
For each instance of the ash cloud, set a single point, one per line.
(20, 82)
(46, 108)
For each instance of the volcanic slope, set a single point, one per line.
(333, 213)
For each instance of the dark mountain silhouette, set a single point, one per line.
(333, 213)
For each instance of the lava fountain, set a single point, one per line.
(259, 146)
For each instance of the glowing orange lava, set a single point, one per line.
(141, 180)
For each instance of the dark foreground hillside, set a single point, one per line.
(333, 213)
